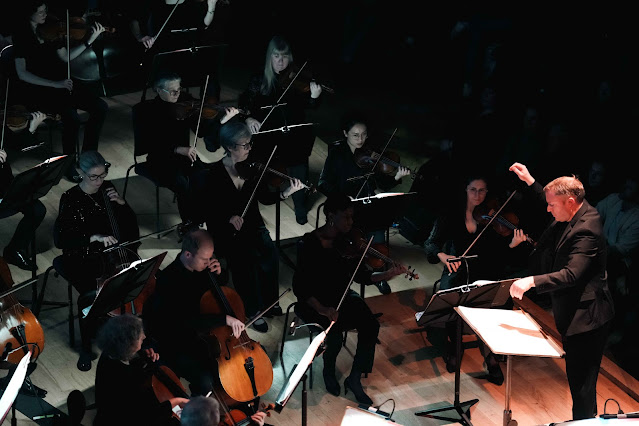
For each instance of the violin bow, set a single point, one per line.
(379, 157)
(68, 49)
(199, 118)
(261, 314)
(284, 128)
(155, 37)
(361, 259)
(4, 120)
(257, 185)
(282, 96)
(161, 233)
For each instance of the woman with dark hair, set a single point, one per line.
(41, 65)
(123, 384)
(451, 236)
(237, 226)
(84, 228)
(320, 281)
(294, 144)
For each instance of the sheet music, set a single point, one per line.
(509, 332)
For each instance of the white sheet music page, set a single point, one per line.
(509, 332)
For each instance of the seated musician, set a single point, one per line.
(41, 60)
(320, 281)
(84, 228)
(172, 313)
(341, 173)
(24, 135)
(164, 125)
(203, 411)
(243, 238)
(123, 391)
(16, 252)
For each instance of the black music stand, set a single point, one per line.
(440, 309)
(123, 287)
(30, 185)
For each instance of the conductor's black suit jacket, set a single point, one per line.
(569, 261)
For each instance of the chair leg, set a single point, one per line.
(71, 317)
(310, 369)
(38, 306)
(157, 208)
(126, 181)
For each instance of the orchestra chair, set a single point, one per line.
(58, 271)
(140, 148)
(77, 407)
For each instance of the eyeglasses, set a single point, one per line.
(246, 146)
(480, 191)
(93, 178)
(173, 92)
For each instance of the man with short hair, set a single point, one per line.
(203, 411)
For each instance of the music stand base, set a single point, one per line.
(464, 417)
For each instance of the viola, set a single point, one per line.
(504, 223)
(248, 170)
(388, 163)
(245, 370)
(210, 109)
(18, 117)
(299, 79)
(353, 244)
(19, 327)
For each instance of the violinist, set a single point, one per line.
(16, 252)
(295, 144)
(320, 280)
(42, 67)
(123, 379)
(203, 411)
(172, 314)
(164, 125)
(341, 172)
(83, 229)
(236, 223)
(452, 234)
(23, 135)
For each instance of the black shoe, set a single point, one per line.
(450, 357)
(383, 287)
(302, 220)
(332, 385)
(18, 258)
(495, 374)
(356, 387)
(260, 325)
(84, 362)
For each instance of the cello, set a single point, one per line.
(245, 370)
(19, 327)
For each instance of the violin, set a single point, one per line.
(247, 170)
(388, 163)
(245, 370)
(55, 29)
(18, 117)
(186, 109)
(299, 78)
(19, 327)
(504, 223)
(353, 244)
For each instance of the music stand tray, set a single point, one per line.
(441, 309)
(123, 287)
(510, 332)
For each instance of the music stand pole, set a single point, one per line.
(278, 244)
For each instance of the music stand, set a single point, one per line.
(30, 185)
(299, 374)
(441, 309)
(123, 287)
(7, 402)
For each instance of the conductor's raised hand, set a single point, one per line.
(522, 173)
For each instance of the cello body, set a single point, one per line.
(245, 370)
(18, 325)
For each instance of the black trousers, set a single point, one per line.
(353, 314)
(584, 352)
(34, 213)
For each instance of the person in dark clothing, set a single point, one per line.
(237, 226)
(569, 261)
(123, 381)
(164, 126)
(83, 228)
(294, 144)
(319, 282)
(41, 66)
(174, 310)
(16, 252)
(342, 174)
(452, 235)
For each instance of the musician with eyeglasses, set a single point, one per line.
(166, 126)
(87, 216)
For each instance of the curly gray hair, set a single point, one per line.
(118, 336)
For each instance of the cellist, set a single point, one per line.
(172, 313)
